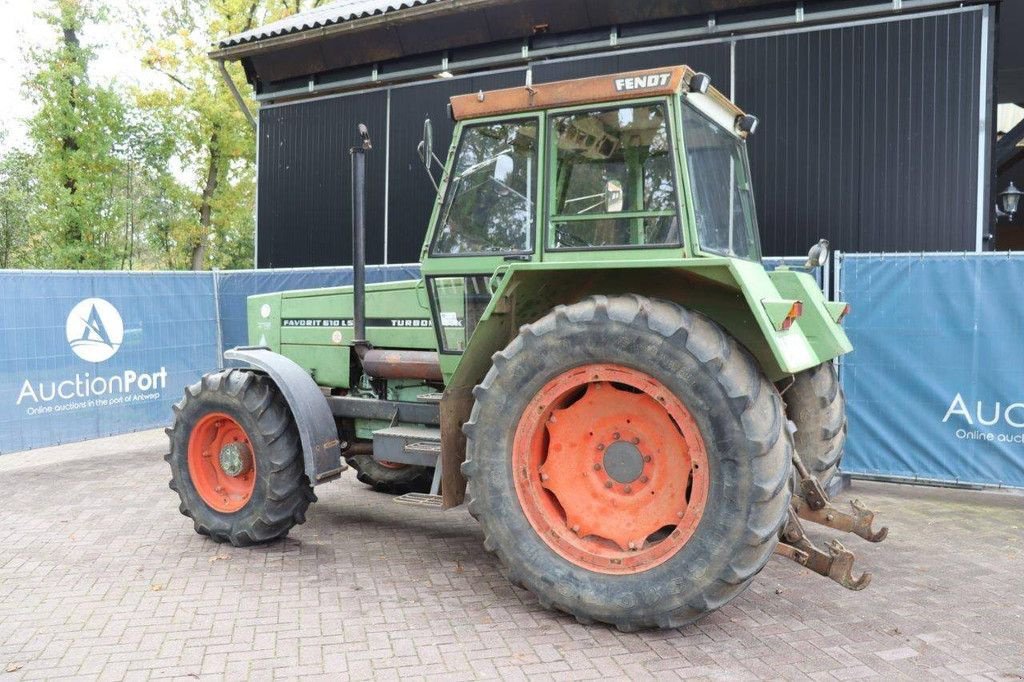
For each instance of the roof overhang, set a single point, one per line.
(477, 21)
(359, 35)
(445, 25)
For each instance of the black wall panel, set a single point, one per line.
(869, 135)
(304, 207)
(411, 196)
(712, 59)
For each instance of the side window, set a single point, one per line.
(460, 302)
(614, 183)
(492, 192)
(723, 198)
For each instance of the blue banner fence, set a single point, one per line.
(935, 384)
(91, 354)
(934, 387)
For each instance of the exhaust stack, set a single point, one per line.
(359, 240)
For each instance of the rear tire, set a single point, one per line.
(739, 425)
(397, 480)
(817, 406)
(278, 492)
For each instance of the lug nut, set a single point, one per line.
(544, 477)
(600, 446)
(608, 484)
(628, 489)
(636, 440)
(597, 467)
(644, 479)
(647, 459)
(615, 435)
(576, 529)
(632, 545)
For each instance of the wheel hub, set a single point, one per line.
(623, 462)
(236, 459)
(611, 468)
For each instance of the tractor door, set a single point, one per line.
(487, 218)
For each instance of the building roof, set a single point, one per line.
(328, 15)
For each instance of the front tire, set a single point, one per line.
(696, 425)
(236, 459)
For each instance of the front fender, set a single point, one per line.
(321, 447)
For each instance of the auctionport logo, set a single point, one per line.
(977, 417)
(95, 330)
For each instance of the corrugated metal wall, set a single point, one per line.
(304, 212)
(869, 137)
(869, 134)
(712, 58)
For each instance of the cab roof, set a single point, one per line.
(593, 90)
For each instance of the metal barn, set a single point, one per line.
(876, 117)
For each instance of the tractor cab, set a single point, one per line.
(641, 167)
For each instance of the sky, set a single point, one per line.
(117, 58)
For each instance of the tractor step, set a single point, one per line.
(420, 500)
(430, 397)
(404, 444)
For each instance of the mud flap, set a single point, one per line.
(321, 447)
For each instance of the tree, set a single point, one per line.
(217, 142)
(73, 133)
(15, 206)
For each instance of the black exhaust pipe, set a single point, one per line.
(359, 241)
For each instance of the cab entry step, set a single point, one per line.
(419, 445)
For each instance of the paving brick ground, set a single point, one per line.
(100, 577)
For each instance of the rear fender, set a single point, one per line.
(321, 447)
(728, 291)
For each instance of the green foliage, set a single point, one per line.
(133, 178)
(216, 143)
(16, 204)
(74, 133)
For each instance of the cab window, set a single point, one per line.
(490, 201)
(614, 183)
(723, 197)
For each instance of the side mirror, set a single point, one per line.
(426, 146)
(613, 199)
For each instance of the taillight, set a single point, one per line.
(795, 311)
(837, 310)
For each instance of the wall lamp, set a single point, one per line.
(1009, 202)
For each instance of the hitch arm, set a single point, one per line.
(835, 564)
(859, 522)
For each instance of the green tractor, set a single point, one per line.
(637, 413)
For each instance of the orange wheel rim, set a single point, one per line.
(610, 469)
(221, 462)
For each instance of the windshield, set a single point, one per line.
(490, 203)
(723, 198)
(614, 184)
